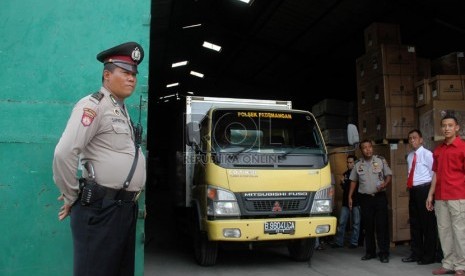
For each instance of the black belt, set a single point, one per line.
(375, 194)
(121, 194)
(424, 185)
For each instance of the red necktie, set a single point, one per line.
(412, 169)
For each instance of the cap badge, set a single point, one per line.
(135, 55)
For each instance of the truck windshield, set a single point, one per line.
(281, 133)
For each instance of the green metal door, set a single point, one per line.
(47, 60)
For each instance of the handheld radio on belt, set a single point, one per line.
(90, 190)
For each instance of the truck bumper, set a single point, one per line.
(254, 229)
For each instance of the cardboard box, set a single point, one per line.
(335, 137)
(423, 69)
(450, 64)
(367, 67)
(338, 163)
(378, 33)
(387, 123)
(387, 91)
(331, 107)
(401, 201)
(328, 121)
(386, 59)
(447, 87)
(399, 224)
(422, 93)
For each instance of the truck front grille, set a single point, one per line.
(267, 205)
(275, 203)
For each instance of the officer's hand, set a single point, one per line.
(64, 210)
(350, 204)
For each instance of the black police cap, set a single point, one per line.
(127, 56)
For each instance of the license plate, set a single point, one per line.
(275, 227)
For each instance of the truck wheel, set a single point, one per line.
(205, 250)
(301, 250)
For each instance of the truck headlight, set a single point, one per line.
(221, 203)
(323, 201)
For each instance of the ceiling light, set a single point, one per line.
(181, 63)
(167, 96)
(197, 74)
(192, 26)
(247, 1)
(172, 84)
(190, 92)
(211, 46)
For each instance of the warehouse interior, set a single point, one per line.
(304, 51)
(297, 50)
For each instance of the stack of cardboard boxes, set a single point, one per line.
(439, 94)
(333, 116)
(397, 92)
(385, 84)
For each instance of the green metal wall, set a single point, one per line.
(47, 63)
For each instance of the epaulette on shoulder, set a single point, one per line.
(98, 96)
(380, 157)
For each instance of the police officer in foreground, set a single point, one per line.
(100, 135)
(373, 175)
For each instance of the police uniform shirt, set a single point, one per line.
(98, 130)
(369, 173)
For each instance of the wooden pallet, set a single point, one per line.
(396, 243)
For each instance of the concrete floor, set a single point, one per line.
(169, 252)
(165, 257)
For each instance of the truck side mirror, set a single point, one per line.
(193, 134)
(352, 135)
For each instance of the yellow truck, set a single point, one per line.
(251, 171)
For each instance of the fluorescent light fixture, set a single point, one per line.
(181, 63)
(192, 26)
(211, 46)
(167, 96)
(197, 74)
(190, 92)
(247, 1)
(172, 84)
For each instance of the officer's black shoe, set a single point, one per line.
(384, 259)
(368, 257)
(424, 262)
(410, 259)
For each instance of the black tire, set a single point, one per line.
(205, 251)
(301, 250)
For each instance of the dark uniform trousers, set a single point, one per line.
(99, 232)
(423, 226)
(374, 209)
